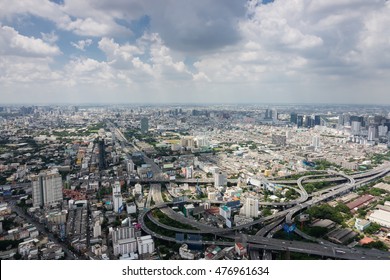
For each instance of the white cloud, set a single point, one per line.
(31, 70)
(82, 44)
(49, 38)
(288, 46)
(13, 43)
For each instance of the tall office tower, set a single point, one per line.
(268, 114)
(47, 188)
(220, 179)
(317, 120)
(308, 121)
(274, 115)
(251, 207)
(117, 197)
(293, 118)
(341, 119)
(357, 119)
(299, 121)
(316, 142)
(382, 130)
(355, 128)
(144, 125)
(371, 133)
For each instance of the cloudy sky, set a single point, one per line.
(185, 51)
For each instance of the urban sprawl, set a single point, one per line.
(195, 182)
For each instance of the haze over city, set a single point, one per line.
(299, 51)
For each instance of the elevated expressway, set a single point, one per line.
(267, 244)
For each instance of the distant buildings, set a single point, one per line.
(47, 188)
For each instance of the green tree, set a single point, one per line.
(372, 228)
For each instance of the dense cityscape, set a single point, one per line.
(211, 182)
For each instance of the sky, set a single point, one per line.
(186, 51)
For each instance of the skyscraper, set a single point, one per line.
(47, 188)
(251, 207)
(382, 131)
(220, 179)
(293, 118)
(317, 120)
(355, 128)
(117, 197)
(144, 125)
(371, 133)
(316, 142)
(299, 121)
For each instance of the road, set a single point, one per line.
(267, 244)
(69, 254)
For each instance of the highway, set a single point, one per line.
(325, 250)
(267, 244)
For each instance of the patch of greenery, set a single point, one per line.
(372, 228)
(377, 245)
(326, 211)
(170, 222)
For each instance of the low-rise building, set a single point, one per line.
(380, 217)
(362, 224)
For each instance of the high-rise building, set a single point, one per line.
(251, 207)
(97, 229)
(382, 131)
(144, 125)
(129, 166)
(371, 133)
(189, 171)
(220, 179)
(293, 118)
(355, 127)
(317, 120)
(357, 119)
(138, 188)
(145, 245)
(187, 141)
(274, 116)
(225, 211)
(117, 197)
(341, 119)
(308, 121)
(299, 121)
(47, 188)
(316, 142)
(124, 241)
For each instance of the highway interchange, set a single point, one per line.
(263, 239)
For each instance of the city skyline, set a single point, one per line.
(201, 52)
